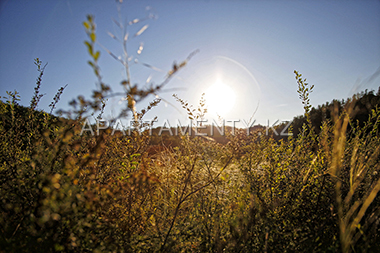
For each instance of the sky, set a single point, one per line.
(252, 47)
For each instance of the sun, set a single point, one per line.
(220, 98)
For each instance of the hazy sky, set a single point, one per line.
(252, 46)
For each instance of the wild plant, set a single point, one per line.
(354, 167)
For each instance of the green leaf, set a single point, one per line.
(86, 25)
(96, 56)
(93, 37)
(87, 44)
(90, 18)
(89, 47)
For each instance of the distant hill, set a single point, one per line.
(170, 137)
(365, 102)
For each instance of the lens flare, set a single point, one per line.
(220, 98)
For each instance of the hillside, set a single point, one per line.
(316, 191)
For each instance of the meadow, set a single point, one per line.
(315, 191)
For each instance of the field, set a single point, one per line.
(65, 190)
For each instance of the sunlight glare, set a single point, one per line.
(220, 98)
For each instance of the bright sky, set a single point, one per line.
(250, 47)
